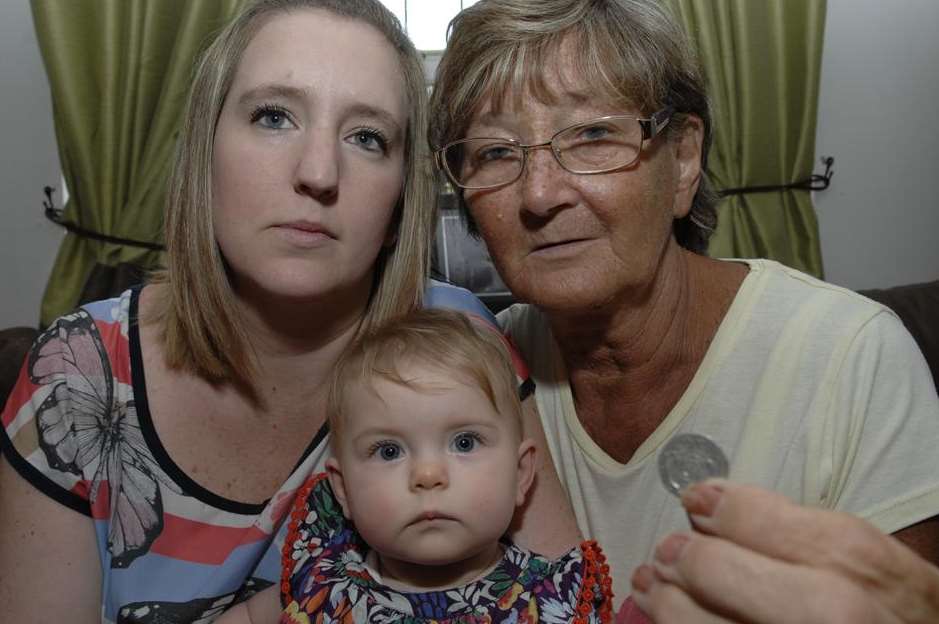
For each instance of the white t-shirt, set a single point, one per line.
(812, 391)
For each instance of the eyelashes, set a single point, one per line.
(460, 443)
(272, 115)
(371, 139)
(276, 117)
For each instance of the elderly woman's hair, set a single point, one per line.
(633, 51)
(203, 329)
(447, 342)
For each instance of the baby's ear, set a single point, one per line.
(526, 469)
(334, 474)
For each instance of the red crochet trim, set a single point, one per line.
(297, 513)
(596, 579)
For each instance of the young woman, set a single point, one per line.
(154, 441)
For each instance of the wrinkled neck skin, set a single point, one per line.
(630, 360)
(641, 327)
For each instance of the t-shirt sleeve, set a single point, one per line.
(883, 429)
(55, 409)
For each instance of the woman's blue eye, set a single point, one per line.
(271, 117)
(498, 152)
(465, 442)
(371, 139)
(592, 133)
(389, 451)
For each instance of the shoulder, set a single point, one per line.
(774, 295)
(777, 280)
(823, 324)
(439, 294)
(85, 347)
(61, 404)
(114, 309)
(528, 328)
(519, 318)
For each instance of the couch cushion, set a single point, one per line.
(14, 344)
(917, 305)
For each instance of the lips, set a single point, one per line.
(430, 516)
(308, 227)
(560, 243)
(305, 234)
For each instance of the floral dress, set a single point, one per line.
(325, 579)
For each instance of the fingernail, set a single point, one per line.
(701, 498)
(643, 578)
(669, 550)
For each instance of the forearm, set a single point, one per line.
(238, 614)
(262, 608)
(49, 560)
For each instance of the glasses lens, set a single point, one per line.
(481, 162)
(599, 145)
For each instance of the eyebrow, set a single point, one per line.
(384, 431)
(271, 90)
(374, 432)
(359, 109)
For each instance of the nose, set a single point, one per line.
(545, 184)
(317, 167)
(429, 474)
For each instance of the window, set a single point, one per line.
(426, 20)
(458, 258)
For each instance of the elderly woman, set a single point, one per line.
(576, 136)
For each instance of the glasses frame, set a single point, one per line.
(651, 128)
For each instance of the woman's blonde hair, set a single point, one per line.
(446, 341)
(203, 329)
(633, 51)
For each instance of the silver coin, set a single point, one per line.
(688, 458)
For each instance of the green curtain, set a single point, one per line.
(762, 59)
(119, 72)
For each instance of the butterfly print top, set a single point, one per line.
(77, 427)
(327, 578)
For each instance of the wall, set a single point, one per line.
(879, 221)
(28, 162)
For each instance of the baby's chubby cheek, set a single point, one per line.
(375, 500)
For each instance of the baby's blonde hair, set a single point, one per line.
(445, 340)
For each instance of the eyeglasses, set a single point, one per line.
(597, 146)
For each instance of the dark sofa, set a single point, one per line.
(14, 343)
(918, 306)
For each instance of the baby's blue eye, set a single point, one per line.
(464, 442)
(389, 451)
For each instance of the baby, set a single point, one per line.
(427, 469)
